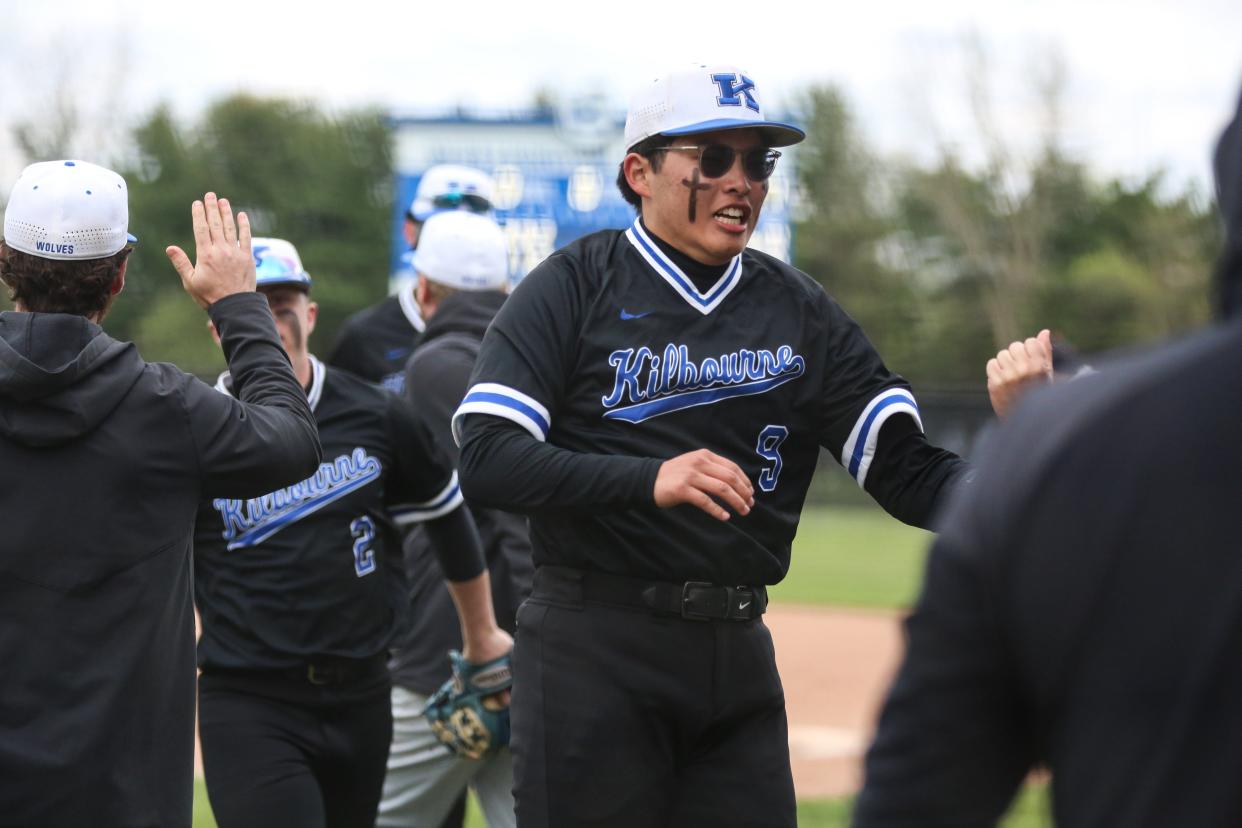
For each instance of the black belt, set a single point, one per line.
(694, 600)
(330, 671)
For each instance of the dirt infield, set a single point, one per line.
(836, 665)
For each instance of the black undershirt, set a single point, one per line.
(704, 276)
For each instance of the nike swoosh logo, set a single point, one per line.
(743, 605)
(625, 315)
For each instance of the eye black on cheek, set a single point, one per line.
(694, 186)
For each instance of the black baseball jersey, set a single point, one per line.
(375, 342)
(609, 348)
(314, 569)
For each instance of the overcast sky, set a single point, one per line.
(1147, 83)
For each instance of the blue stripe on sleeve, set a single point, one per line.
(864, 433)
(508, 402)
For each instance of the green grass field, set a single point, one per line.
(861, 557)
(854, 557)
(1030, 811)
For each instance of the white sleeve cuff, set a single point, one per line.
(503, 401)
(448, 499)
(859, 449)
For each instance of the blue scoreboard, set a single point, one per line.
(554, 172)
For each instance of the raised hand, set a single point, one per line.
(223, 262)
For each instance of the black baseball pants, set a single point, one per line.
(279, 752)
(625, 718)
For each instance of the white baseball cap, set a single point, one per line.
(68, 210)
(451, 187)
(276, 262)
(463, 250)
(702, 98)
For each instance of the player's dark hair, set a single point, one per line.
(438, 291)
(83, 287)
(647, 148)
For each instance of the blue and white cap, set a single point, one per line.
(68, 210)
(276, 262)
(451, 187)
(702, 98)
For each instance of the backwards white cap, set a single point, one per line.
(702, 98)
(463, 250)
(68, 210)
(451, 187)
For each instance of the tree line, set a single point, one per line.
(941, 262)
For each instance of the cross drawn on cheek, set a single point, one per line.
(694, 186)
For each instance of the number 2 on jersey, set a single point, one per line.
(363, 531)
(769, 448)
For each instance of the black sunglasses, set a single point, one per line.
(717, 159)
(461, 201)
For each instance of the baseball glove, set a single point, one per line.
(465, 713)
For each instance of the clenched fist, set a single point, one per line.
(1016, 369)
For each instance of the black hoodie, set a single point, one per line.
(435, 381)
(1082, 607)
(103, 460)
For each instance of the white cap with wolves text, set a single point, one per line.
(68, 210)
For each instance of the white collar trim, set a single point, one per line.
(703, 302)
(409, 306)
(316, 388)
(312, 396)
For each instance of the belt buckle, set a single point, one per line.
(321, 676)
(692, 615)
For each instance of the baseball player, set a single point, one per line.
(375, 343)
(300, 591)
(462, 265)
(655, 399)
(103, 459)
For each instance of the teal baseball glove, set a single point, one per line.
(466, 713)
